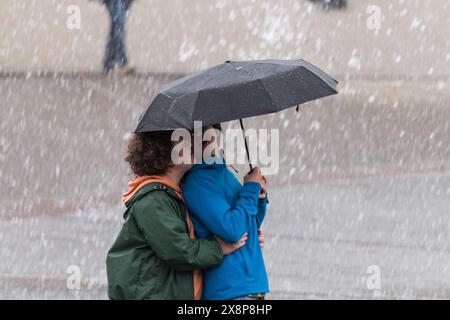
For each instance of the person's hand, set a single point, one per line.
(263, 193)
(228, 248)
(262, 241)
(254, 176)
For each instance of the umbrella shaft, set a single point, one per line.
(246, 144)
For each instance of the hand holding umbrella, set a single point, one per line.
(255, 176)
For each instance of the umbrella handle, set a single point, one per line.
(246, 145)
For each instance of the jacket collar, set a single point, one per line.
(149, 188)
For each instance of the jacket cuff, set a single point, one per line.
(251, 187)
(263, 202)
(219, 251)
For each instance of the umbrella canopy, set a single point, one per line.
(235, 90)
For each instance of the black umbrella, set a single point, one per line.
(235, 90)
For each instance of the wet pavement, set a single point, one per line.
(321, 239)
(364, 180)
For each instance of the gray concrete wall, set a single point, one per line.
(181, 36)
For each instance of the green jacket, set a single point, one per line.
(153, 256)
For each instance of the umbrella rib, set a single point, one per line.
(267, 91)
(312, 69)
(168, 96)
(324, 80)
(319, 73)
(193, 109)
(300, 92)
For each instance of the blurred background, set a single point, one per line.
(360, 207)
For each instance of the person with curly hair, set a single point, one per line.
(156, 254)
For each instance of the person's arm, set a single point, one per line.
(263, 201)
(262, 208)
(208, 203)
(167, 235)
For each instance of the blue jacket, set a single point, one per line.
(220, 205)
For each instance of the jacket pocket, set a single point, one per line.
(151, 276)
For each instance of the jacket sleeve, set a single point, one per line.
(228, 221)
(166, 233)
(262, 208)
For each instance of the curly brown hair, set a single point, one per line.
(149, 153)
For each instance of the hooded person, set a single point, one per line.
(156, 254)
(221, 206)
